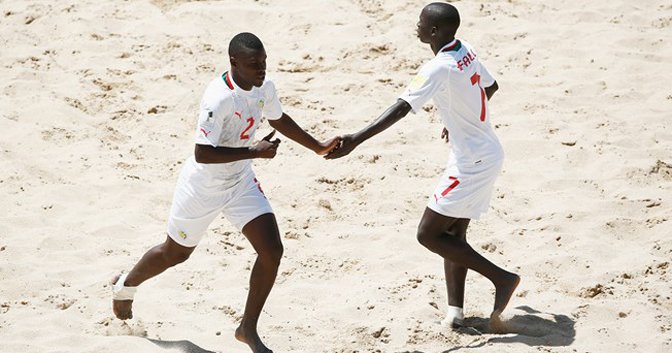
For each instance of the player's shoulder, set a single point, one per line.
(466, 44)
(453, 59)
(468, 48)
(218, 88)
(218, 94)
(439, 65)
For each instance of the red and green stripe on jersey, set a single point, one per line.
(453, 47)
(227, 79)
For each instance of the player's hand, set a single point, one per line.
(346, 146)
(266, 148)
(328, 146)
(444, 135)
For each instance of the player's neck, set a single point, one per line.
(440, 43)
(240, 82)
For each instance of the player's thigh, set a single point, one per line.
(262, 232)
(191, 214)
(433, 224)
(459, 228)
(253, 215)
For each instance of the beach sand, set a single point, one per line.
(98, 106)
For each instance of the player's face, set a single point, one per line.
(424, 29)
(251, 66)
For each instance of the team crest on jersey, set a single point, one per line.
(260, 104)
(183, 235)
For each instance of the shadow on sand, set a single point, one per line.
(527, 326)
(181, 346)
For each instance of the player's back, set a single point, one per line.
(463, 105)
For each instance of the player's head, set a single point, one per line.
(248, 58)
(438, 21)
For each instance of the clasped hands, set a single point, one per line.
(347, 143)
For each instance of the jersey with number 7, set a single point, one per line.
(455, 78)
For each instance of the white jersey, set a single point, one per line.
(456, 79)
(229, 117)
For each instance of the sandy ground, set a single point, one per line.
(98, 106)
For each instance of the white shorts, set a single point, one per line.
(195, 207)
(464, 192)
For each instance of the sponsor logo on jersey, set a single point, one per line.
(183, 235)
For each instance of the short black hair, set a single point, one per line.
(244, 41)
(441, 13)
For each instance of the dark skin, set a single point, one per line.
(445, 236)
(248, 69)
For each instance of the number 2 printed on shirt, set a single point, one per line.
(250, 123)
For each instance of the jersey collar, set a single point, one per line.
(455, 45)
(231, 84)
(226, 77)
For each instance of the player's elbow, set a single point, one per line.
(402, 108)
(278, 124)
(274, 123)
(202, 154)
(489, 91)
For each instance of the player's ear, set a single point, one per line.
(434, 30)
(233, 61)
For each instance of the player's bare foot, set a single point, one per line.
(504, 292)
(497, 325)
(251, 338)
(123, 309)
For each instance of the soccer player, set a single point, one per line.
(461, 87)
(219, 178)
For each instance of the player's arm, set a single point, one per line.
(263, 149)
(490, 91)
(288, 127)
(389, 117)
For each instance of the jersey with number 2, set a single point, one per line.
(229, 117)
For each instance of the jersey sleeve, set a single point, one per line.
(272, 108)
(212, 120)
(487, 79)
(423, 87)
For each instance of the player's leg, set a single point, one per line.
(262, 232)
(456, 274)
(432, 235)
(190, 216)
(154, 262)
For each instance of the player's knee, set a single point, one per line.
(174, 257)
(273, 255)
(425, 237)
